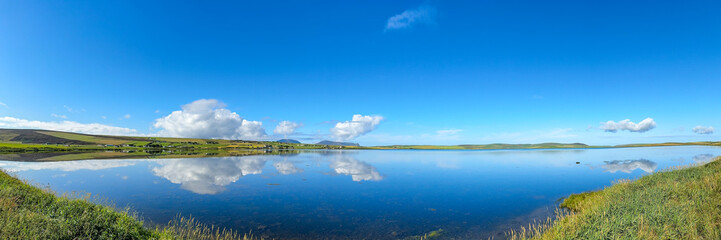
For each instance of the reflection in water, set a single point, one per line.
(208, 176)
(703, 158)
(358, 170)
(67, 166)
(628, 166)
(286, 168)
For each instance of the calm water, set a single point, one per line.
(359, 194)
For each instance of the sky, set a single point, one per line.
(372, 72)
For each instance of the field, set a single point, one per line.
(680, 204)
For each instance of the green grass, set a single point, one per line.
(27, 212)
(681, 204)
(85, 138)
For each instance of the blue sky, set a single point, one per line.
(416, 72)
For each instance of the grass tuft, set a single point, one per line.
(681, 204)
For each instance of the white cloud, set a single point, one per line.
(628, 166)
(286, 168)
(286, 127)
(66, 126)
(358, 126)
(127, 116)
(448, 132)
(643, 126)
(207, 176)
(208, 118)
(703, 130)
(103, 117)
(359, 171)
(66, 166)
(3, 104)
(58, 116)
(422, 15)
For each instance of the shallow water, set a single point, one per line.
(371, 194)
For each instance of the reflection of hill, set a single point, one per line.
(209, 175)
(628, 166)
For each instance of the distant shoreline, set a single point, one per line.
(46, 145)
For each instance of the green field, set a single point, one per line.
(680, 204)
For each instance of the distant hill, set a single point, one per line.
(326, 142)
(288, 141)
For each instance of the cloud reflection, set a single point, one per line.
(359, 171)
(628, 166)
(209, 175)
(286, 168)
(66, 166)
(703, 158)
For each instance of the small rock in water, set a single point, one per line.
(578, 162)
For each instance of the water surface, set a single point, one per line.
(372, 194)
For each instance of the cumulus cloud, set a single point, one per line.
(66, 126)
(643, 126)
(703, 130)
(628, 166)
(422, 15)
(208, 118)
(358, 126)
(286, 127)
(208, 176)
(359, 171)
(286, 168)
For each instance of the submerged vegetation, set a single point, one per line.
(681, 204)
(27, 212)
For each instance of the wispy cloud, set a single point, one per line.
(3, 104)
(67, 126)
(551, 135)
(447, 132)
(58, 116)
(627, 125)
(703, 130)
(127, 116)
(425, 14)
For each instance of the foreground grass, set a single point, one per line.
(680, 204)
(27, 212)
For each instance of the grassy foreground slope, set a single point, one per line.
(679, 204)
(27, 212)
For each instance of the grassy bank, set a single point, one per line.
(679, 204)
(27, 212)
